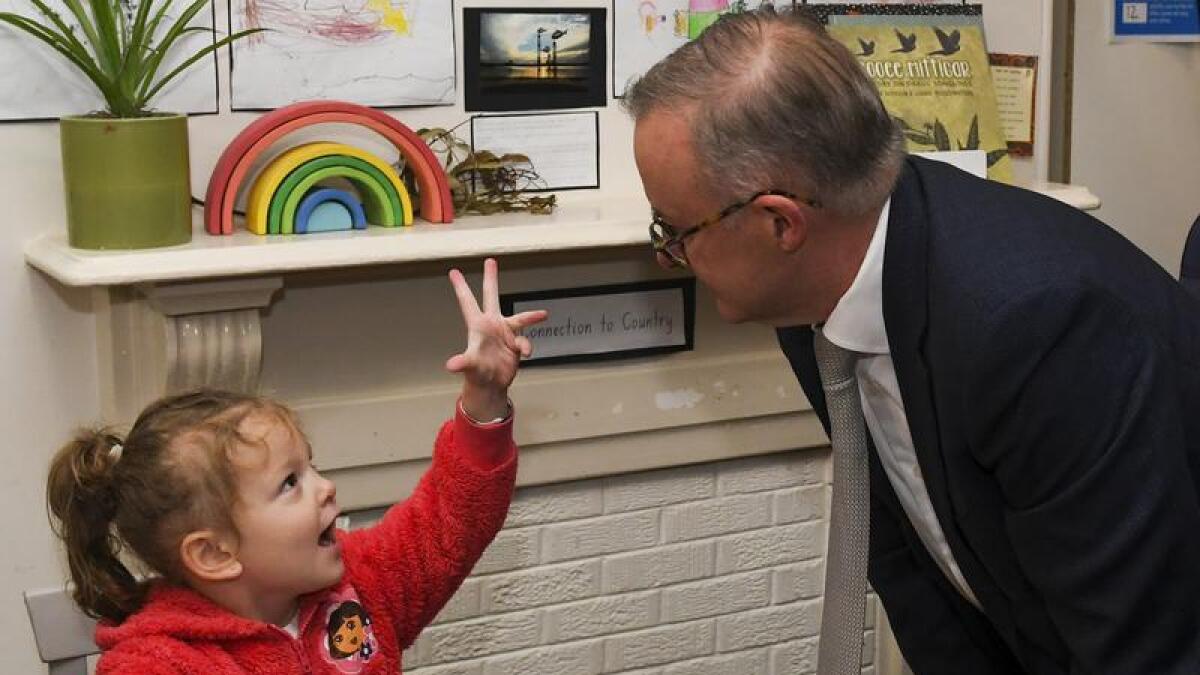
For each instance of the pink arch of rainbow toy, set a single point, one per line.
(239, 156)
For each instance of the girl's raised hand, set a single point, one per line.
(494, 346)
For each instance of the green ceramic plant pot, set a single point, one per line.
(127, 181)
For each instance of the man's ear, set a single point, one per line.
(210, 556)
(789, 221)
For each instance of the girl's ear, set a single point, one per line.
(210, 556)
(789, 221)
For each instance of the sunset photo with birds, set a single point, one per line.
(534, 52)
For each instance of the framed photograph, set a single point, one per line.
(533, 58)
(600, 323)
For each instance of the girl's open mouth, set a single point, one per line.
(327, 538)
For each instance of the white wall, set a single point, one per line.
(1136, 133)
(1135, 143)
(47, 358)
(47, 333)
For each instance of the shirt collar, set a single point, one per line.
(856, 323)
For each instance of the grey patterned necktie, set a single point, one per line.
(840, 649)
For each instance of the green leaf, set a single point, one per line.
(61, 45)
(86, 25)
(136, 49)
(108, 45)
(996, 155)
(973, 134)
(941, 139)
(63, 29)
(196, 57)
(119, 54)
(164, 45)
(919, 137)
(122, 28)
(152, 27)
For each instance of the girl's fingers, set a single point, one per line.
(466, 299)
(524, 346)
(481, 328)
(525, 319)
(457, 363)
(491, 287)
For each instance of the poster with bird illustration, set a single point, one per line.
(930, 65)
(383, 53)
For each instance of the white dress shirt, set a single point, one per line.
(857, 324)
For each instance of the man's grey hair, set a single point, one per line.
(777, 103)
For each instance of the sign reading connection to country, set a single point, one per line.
(609, 321)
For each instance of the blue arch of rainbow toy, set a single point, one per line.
(320, 198)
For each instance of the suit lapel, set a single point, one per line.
(906, 314)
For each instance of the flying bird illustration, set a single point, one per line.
(868, 48)
(907, 42)
(949, 42)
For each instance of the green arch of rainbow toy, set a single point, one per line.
(375, 199)
(381, 202)
(235, 161)
(266, 211)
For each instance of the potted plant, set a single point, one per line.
(125, 169)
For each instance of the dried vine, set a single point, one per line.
(481, 181)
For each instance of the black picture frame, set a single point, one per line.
(492, 87)
(685, 285)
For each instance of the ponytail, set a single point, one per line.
(114, 500)
(83, 495)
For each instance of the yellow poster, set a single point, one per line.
(934, 78)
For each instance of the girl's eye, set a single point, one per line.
(290, 482)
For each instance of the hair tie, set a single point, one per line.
(114, 453)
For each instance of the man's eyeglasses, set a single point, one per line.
(670, 243)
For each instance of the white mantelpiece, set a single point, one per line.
(570, 227)
(616, 222)
(352, 328)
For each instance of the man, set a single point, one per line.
(1030, 381)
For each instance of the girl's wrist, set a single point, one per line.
(485, 406)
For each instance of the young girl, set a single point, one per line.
(215, 494)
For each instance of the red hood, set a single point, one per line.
(183, 614)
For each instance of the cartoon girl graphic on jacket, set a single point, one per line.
(349, 635)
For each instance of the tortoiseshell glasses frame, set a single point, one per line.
(665, 240)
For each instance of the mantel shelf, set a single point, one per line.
(574, 226)
(613, 223)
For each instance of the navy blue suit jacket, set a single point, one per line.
(1050, 373)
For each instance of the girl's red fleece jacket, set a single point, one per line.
(399, 574)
